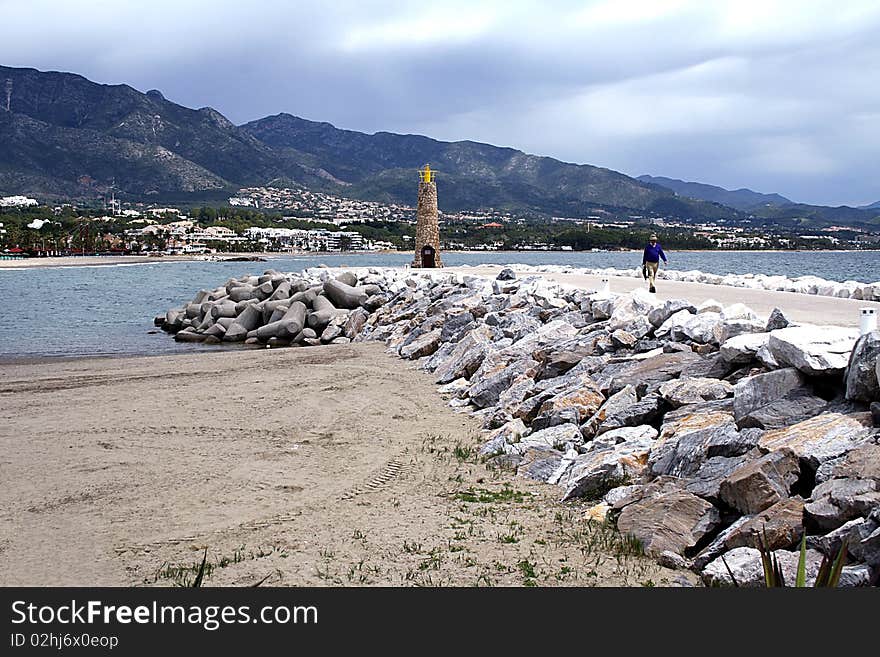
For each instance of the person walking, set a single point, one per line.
(651, 261)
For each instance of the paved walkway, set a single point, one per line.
(806, 308)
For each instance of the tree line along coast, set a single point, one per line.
(70, 229)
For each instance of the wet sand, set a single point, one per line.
(335, 465)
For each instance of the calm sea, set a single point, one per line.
(108, 310)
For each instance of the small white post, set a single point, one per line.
(606, 286)
(868, 321)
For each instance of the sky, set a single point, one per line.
(774, 95)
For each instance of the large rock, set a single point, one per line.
(761, 483)
(743, 348)
(425, 345)
(739, 567)
(498, 440)
(756, 391)
(467, 356)
(487, 391)
(820, 438)
(706, 481)
(861, 373)
(623, 339)
(645, 411)
(777, 320)
(782, 525)
(650, 372)
(745, 564)
(701, 327)
(814, 350)
(456, 326)
(863, 462)
(794, 407)
(716, 548)
(661, 313)
(585, 398)
(693, 390)
(837, 501)
(617, 458)
(355, 323)
(560, 437)
(710, 306)
(685, 443)
(727, 329)
(558, 363)
(630, 307)
(611, 408)
(766, 358)
(673, 520)
(539, 463)
(550, 333)
(737, 311)
(643, 435)
(862, 536)
(673, 327)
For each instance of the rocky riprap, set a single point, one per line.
(692, 427)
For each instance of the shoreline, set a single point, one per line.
(107, 261)
(54, 262)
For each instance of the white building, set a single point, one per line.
(17, 202)
(307, 240)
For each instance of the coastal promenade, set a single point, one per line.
(804, 308)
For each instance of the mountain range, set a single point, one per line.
(65, 136)
(741, 199)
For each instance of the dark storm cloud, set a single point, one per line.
(778, 96)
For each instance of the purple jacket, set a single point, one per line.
(653, 253)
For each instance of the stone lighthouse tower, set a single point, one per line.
(427, 247)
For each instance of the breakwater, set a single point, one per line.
(693, 428)
(808, 284)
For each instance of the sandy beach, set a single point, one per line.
(89, 261)
(334, 465)
(98, 261)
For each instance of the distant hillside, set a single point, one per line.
(473, 174)
(741, 199)
(872, 206)
(65, 136)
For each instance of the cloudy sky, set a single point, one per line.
(775, 95)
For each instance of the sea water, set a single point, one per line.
(108, 310)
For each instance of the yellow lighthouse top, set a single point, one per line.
(426, 174)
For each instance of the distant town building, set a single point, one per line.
(17, 202)
(307, 240)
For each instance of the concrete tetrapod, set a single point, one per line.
(285, 328)
(343, 295)
(323, 312)
(249, 319)
(348, 278)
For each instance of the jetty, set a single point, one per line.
(692, 422)
(801, 306)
